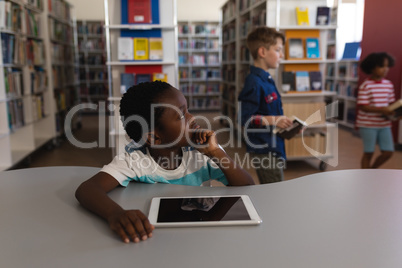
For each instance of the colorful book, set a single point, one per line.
(127, 80)
(141, 49)
(295, 48)
(302, 16)
(322, 16)
(142, 78)
(302, 81)
(288, 81)
(155, 49)
(352, 50)
(159, 76)
(312, 48)
(125, 48)
(139, 11)
(315, 80)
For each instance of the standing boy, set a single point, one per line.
(261, 105)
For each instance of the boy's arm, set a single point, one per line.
(92, 194)
(208, 145)
(372, 109)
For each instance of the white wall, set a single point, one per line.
(193, 10)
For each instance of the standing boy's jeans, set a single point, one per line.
(270, 168)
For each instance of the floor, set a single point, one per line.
(66, 154)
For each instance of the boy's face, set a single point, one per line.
(176, 122)
(271, 57)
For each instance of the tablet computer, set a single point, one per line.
(191, 211)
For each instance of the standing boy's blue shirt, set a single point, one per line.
(259, 98)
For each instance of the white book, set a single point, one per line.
(125, 48)
(2, 14)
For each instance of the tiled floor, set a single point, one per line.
(350, 151)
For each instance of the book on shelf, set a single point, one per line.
(159, 76)
(139, 11)
(315, 80)
(323, 16)
(331, 52)
(302, 16)
(141, 49)
(396, 107)
(125, 48)
(288, 81)
(127, 80)
(293, 130)
(142, 78)
(334, 16)
(312, 48)
(295, 48)
(302, 81)
(352, 51)
(155, 48)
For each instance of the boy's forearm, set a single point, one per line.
(95, 199)
(235, 175)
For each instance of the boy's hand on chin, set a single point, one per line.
(205, 141)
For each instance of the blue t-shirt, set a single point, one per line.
(258, 98)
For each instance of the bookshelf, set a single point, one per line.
(26, 116)
(92, 59)
(342, 78)
(239, 17)
(63, 55)
(164, 26)
(199, 64)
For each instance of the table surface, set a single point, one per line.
(350, 218)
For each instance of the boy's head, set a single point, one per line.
(160, 104)
(377, 64)
(265, 45)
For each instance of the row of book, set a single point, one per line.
(324, 16)
(94, 90)
(13, 82)
(228, 10)
(229, 33)
(91, 44)
(244, 53)
(199, 59)
(61, 53)
(92, 59)
(33, 22)
(60, 9)
(63, 76)
(10, 16)
(59, 31)
(299, 48)
(342, 88)
(93, 75)
(13, 49)
(244, 4)
(201, 89)
(90, 28)
(201, 29)
(228, 74)
(205, 103)
(140, 48)
(198, 44)
(343, 70)
(15, 110)
(38, 107)
(199, 74)
(37, 79)
(128, 80)
(301, 81)
(35, 52)
(229, 53)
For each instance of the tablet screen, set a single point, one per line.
(202, 209)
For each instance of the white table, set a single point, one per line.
(350, 218)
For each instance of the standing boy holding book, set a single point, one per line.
(261, 105)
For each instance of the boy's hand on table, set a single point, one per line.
(131, 224)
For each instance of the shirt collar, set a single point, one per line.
(261, 73)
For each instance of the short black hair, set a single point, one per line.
(374, 60)
(137, 102)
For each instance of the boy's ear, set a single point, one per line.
(261, 52)
(152, 138)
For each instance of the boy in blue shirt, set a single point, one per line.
(261, 105)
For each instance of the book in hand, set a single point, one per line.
(323, 17)
(293, 130)
(396, 107)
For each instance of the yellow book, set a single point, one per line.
(141, 49)
(302, 16)
(155, 49)
(159, 76)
